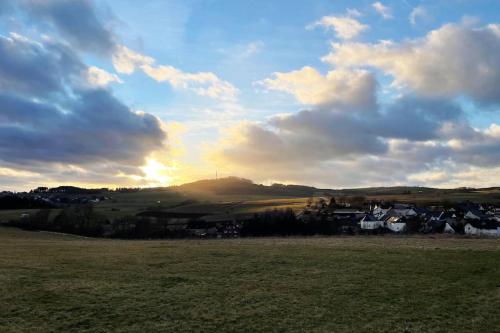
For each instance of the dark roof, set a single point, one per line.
(421, 210)
(476, 212)
(369, 217)
(484, 224)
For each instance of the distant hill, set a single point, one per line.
(241, 186)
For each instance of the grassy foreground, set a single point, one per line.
(56, 283)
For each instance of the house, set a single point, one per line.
(421, 211)
(369, 222)
(482, 228)
(433, 226)
(378, 212)
(449, 228)
(436, 216)
(398, 212)
(396, 223)
(474, 214)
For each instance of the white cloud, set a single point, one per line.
(450, 61)
(383, 10)
(126, 61)
(250, 49)
(354, 89)
(417, 13)
(345, 27)
(202, 83)
(353, 12)
(99, 77)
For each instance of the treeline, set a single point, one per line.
(83, 220)
(18, 202)
(281, 222)
(77, 219)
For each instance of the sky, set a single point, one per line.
(320, 92)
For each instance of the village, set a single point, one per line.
(467, 218)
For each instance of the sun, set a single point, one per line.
(157, 173)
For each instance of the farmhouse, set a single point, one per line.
(378, 212)
(449, 228)
(473, 214)
(482, 228)
(396, 223)
(369, 222)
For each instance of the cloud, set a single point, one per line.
(412, 136)
(126, 61)
(326, 134)
(202, 83)
(345, 27)
(76, 20)
(249, 50)
(28, 67)
(99, 77)
(340, 88)
(353, 12)
(382, 10)
(448, 62)
(324, 148)
(79, 22)
(49, 115)
(207, 84)
(417, 13)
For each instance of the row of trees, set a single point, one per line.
(285, 223)
(77, 219)
(13, 201)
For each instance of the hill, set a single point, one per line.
(241, 186)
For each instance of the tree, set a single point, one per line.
(332, 204)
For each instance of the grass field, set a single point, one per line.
(57, 283)
(123, 204)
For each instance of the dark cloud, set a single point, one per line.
(32, 68)
(325, 133)
(416, 119)
(76, 20)
(408, 137)
(48, 114)
(97, 127)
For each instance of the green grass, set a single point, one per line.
(123, 204)
(15, 214)
(57, 283)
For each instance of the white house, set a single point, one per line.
(396, 224)
(448, 229)
(378, 212)
(482, 230)
(369, 222)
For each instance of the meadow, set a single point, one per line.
(61, 283)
